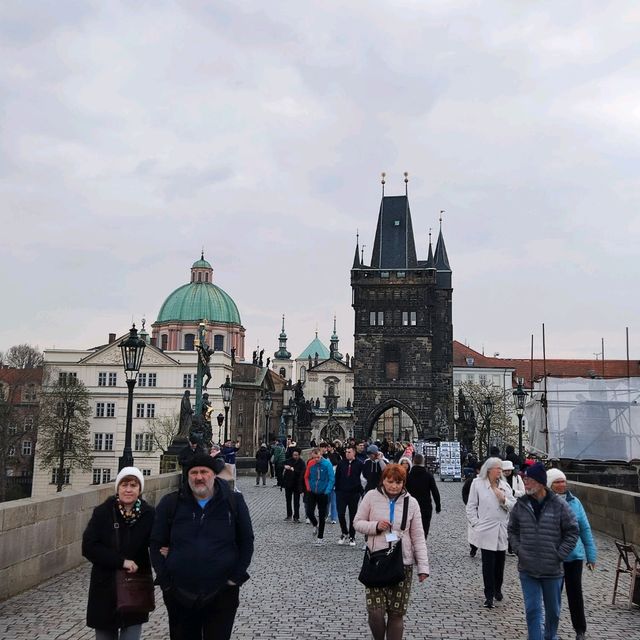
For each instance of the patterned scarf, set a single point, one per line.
(132, 516)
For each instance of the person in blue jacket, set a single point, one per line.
(320, 482)
(585, 549)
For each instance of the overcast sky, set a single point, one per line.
(135, 133)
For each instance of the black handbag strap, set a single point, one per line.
(405, 513)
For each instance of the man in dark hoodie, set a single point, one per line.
(348, 490)
(201, 547)
(422, 486)
(293, 482)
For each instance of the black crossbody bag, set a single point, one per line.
(385, 568)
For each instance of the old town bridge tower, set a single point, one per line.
(403, 329)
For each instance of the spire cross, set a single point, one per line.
(429, 235)
(441, 212)
(406, 183)
(283, 322)
(362, 249)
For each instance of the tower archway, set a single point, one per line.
(393, 420)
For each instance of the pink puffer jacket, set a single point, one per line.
(375, 507)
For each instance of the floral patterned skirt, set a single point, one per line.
(394, 599)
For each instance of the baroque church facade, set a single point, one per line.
(403, 352)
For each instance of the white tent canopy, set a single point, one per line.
(587, 419)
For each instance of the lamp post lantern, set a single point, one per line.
(132, 349)
(487, 406)
(227, 396)
(268, 403)
(220, 419)
(519, 400)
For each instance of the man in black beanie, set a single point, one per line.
(542, 533)
(201, 547)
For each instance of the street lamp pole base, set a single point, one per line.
(125, 460)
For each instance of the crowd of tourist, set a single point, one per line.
(199, 540)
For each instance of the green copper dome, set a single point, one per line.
(199, 301)
(201, 264)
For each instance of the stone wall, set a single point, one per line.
(42, 537)
(608, 509)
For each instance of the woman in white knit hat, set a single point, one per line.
(512, 479)
(585, 549)
(117, 538)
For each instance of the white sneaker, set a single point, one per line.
(342, 539)
(307, 521)
(352, 542)
(333, 522)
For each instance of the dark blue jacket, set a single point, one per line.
(207, 546)
(229, 454)
(348, 482)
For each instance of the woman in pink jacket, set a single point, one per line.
(379, 517)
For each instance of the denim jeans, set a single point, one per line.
(334, 507)
(542, 623)
(125, 633)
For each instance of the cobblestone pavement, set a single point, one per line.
(301, 591)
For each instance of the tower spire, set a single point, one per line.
(282, 353)
(430, 261)
(333, 345)
(356, 257)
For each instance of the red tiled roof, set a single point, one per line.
(554, 367)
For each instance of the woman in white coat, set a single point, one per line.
(512, 479)
(490, 501)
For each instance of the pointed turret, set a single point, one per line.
(443, 276)
(394, 246)
(282, 353)
(356, 257)
(430, 261)
(333, 347)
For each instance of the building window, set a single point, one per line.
(113, 379)
(283, 372)
(153, 379)
(384, 274)
(143, 442)
(96, 476)
(392, 362)
(380, 318)
(27, 447)
(103, 441)
(28, 424)
(142, 379)
(12, 429)
(413, 318)
(30, 393)
(400, 274)
(218, 342)
(483, 379)
(11, 451)
(111, 410)
(164, 341)
(102, 379)
(140, 410)
(405, 318)
(101, 476)
(187, 380)
(189, 341)
(67, 377)
(372, 318)
(146, 472)
(66, 476)
(99, 409)
(151, 410)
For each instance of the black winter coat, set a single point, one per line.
(422, 486)
(99, 547)
(294, 478)
(262, 460)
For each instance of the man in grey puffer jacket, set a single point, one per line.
(542, 532)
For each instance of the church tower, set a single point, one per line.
(403, 359)
(282, 362)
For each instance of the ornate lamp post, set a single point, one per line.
(267, 403)
(132, 351)
(519, 399)
(487, 406)
(227, 396)
(220, 419)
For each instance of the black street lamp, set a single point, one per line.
(268, 403)
(519, 399)
(487, 406)
(132, 350)
(220, 419)
(293, 409)
(227, 396)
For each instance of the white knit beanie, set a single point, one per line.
(553, 475)
(130, 471)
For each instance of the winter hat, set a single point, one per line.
(133, 472)
(203, 460)
(507, 465)
(372, 449)
(537, 472)
(405, 459)
(553, 475)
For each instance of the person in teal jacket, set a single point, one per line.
(320, 481)
(585, 549)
